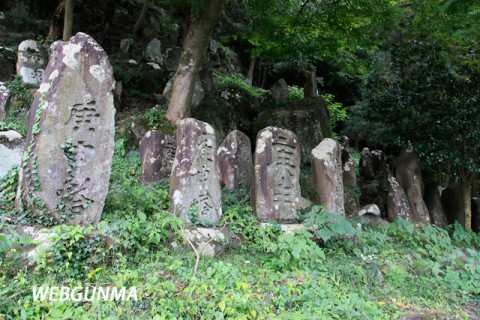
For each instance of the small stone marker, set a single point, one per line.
(279, 90)
(4, 101)
(235, 160)
(31, 62)
(153, 51)
(397, 202)
(276, 193)
(66, 167)
(327, 175)
(194, 182)
(157, 152)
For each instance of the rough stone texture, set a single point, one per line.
(7, 63)
(31, 62)
(153, 51)
(194, 182)
(5, 95)
(172, 56)
(11, 139)
(372, 164)
(138, 131)
(476, 215)
(327, 176)
(453, 205)
(372, 220)
(279, 90)
(434, 205)
(213, 46)
(310, 89)
(198, 91)
(349, 176)
(211, 242)
(9, 158)
(307, 118)
(157, 152)
(305, 203)
(235, 161)
(371, 209)
(41, 237)
(286, 228)
(397, 202)
(409, 176)
(125, 45)
(276, 188)
(70, 141)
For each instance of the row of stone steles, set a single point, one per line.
(197, 168)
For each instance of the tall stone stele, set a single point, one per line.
(67, 161)
(194, 182)
(235, 161)
(276, 189)
(157, 152)
(327, 176)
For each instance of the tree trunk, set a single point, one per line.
(467, 203)
(251, 68)
(194, 47)
(140, 24)
(56, 23)
(68, 22)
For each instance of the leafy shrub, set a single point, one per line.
(8, 189)
(237, 81)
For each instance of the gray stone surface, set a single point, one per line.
(153, 51)
(70, 141)
(276, 191)
(31, 62)
(279, 90)
(157, 152)
(9, 158)
(327, 176)
(194, 182)
(235, 161)
(211, 242)
(397, 202)
(434, 205)
(11, 139)
(311, 87)
(5, 95)
(371, 209)
(198, 91)
(125, 45)
(172, 56)
(409, 176)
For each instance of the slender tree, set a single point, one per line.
(68, 20)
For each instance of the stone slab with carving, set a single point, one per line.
(276, 187)
(157, 152)
(235, 161)
(31, 62)
(67, 161)
(194, 182)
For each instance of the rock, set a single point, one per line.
(276, 190)
(211, 242)
(235, 161)
(7, 63)
(279, 91)
(372, 164)
(157, 152)
(371, 209)
(349, 176)
(5, 95)
(305, 203)
(32, 59)
(41, 237)
(453, 204)
(11, 139)
(198, 91)
(397, 202)
(307, 118)
(434, 205)
(138, 131)
(132, 61)
(409, 176)
(327, 176)
(8, 159)
(373, 220)
(213, 46)
(194, 182)
(125, 45)
(154, 65)
(310, 89)
(153, 51)
(70, 141)
(172, 56)
(286, 228)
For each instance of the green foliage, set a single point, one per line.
(336, 110)
(237, 81)
(295, 93)
(8, 189)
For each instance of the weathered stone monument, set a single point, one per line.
(397, 202)
(153, 51)
(276, 190)
(194, 182)
(4, 100)
(31, 62)
(67, 161)
(409, 176)
(235, 160)
(434, 205)
(157, 152)
(327, 176)
(279, 90)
